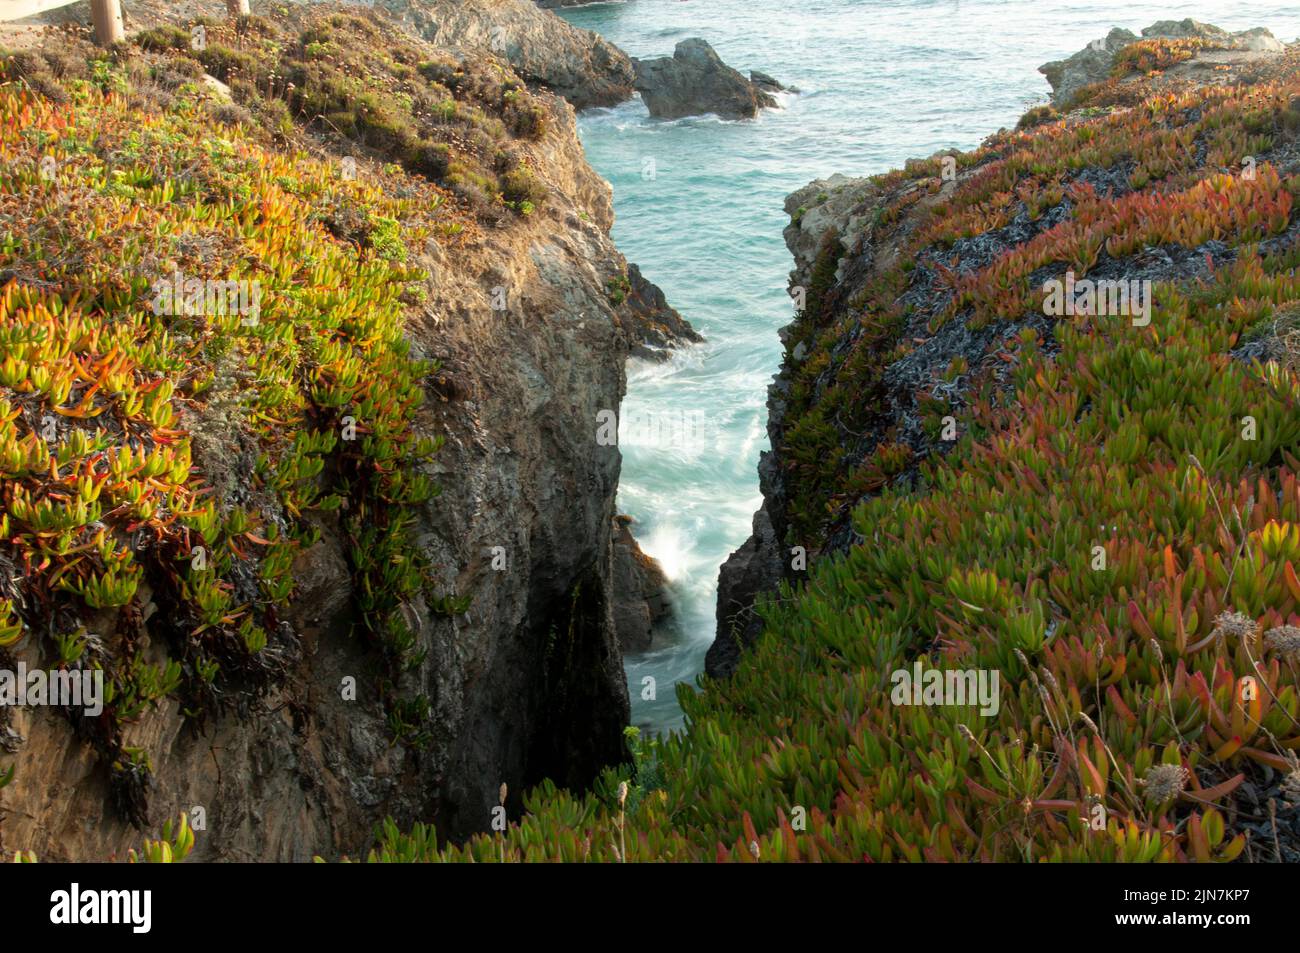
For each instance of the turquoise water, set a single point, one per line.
(699, 208)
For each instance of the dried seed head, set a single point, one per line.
(622, 793)
(1236, 625)
(1285, 641)
(1051, 680)
(966, 733)
(502, 795)
(1164, 782)
(1160, 653)
(753, 849)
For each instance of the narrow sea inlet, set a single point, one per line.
(699, 204)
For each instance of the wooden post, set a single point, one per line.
(237, 8)
(107, 17)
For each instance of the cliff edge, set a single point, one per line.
(312, 475)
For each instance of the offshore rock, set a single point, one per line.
(694, 81)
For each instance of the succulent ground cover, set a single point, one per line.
(1114, 528)
(357, 83)
(1160, 53)
(1185, 177)
(122, 190)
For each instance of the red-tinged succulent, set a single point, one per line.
(1115, 532)
(99, 386)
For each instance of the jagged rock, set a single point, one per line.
(641, 596)
(755, 568)
(1260, 40)
(694, 81)
(584, 68)
(655, 326)
(1093, 63)
(1256, 40)
(1185, 29)
(838, 202)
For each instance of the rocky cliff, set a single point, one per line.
(1176, 47)
(855, 407)
(362, 648)
(1035, 435)
(1035, 438)
(545, 50)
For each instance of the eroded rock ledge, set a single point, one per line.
(584, 68)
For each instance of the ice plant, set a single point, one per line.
(1103, 531)
(104, 501)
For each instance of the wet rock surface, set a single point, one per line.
(655, 325)
(642, 597)
(694, 81)
(755, 569)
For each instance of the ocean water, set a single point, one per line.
(699, 208)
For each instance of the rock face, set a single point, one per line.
(765, 82)
(694, 81)
(526, 684)
(1094, 62)
(536, 666)
(836, 210)
(837, 202)
(655, 325)
(546, 51)
(642, 599)
(755, 569)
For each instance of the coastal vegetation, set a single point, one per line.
(1115, 528)
(121, 177)
(1103, 511)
